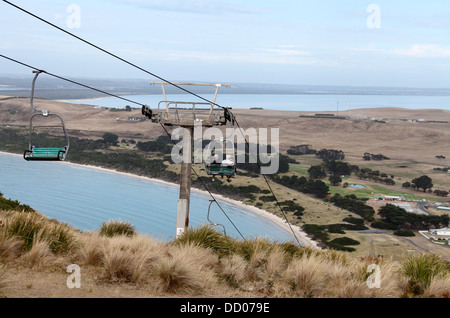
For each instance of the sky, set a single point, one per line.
(324, 42)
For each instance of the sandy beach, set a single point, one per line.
(299, 234)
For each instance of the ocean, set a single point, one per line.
(343, 103)
(85, 198)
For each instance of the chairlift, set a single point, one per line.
(216, 166)
(211, 222)
(40, 152)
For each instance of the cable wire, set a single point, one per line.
(71, 81)
(204, 185)
(148, 72)
(111, 54)
(113, 95)
(268, 184)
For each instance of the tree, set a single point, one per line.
(338, 168)
(316, 172)
(335, 180)
(406, 185)
(283, 163)
(110, 138)
(301, 150)
(441, 193)
(317, 187)
(423, 182)
(330, 154)
(398, 217)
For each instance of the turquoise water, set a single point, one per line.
(84, 198)
(357, 186)
(342, 103)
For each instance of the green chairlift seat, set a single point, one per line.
(50, 154)
(218, 169)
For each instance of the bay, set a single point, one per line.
(290, 102)
(85, 198)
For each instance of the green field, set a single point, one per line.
(368, 192)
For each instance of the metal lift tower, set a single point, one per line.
(186, 114)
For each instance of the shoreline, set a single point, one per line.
(299, 233)
(302, 237)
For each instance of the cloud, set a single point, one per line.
(416, 50)
(194, 6)
(286, 52)
(255, 56)
(424, 51)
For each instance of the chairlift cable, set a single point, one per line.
(210, 193)
(113, 95)
(148, 72)
(268, 184)
(71, 81)
(112, 54)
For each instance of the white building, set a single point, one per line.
(443, 231)
(390, 197)
(406, 206)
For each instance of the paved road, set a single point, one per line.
(421, 205)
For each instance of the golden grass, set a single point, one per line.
(3, 282)
(135, 265)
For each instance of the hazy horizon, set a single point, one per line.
(351, 43)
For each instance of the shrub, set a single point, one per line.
(61, 239)
(421, 269)
(383, 225)
(178, 273)
(267, 198)
(8, 205)
(317, 231)
(354, 220)
(339, 247)
(247, 248)
(352, 204)
(122, 265)
(249, 189)
(207, 237)
(10, 247)
(291, 248)
(116, 227)
(30, 226)
(291, 206)
(344, 241)
(401, 232)
(335, 228)
(39, 254)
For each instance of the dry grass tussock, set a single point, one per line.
(202, 263)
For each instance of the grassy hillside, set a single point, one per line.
(131, 266)
(115, 261)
